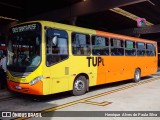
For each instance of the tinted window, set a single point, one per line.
(130, 48)
(117, 48)
(100, 45)
(150, 50)
(140, 49)
(56, 46)
(81, 44)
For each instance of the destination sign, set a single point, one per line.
(24, 28)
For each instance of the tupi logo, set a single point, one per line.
(96, 61)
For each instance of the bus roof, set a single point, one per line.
(87, 30)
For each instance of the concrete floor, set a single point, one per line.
(121, 96)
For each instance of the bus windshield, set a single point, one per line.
(24, 49)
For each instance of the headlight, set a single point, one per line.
(37, 79)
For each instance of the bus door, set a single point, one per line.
(57, 59)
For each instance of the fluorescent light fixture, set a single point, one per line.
(151, 2)
(129, 15)
(7, 18)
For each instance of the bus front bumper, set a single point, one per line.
(36, 89)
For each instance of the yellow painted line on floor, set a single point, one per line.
(97, 103)
(93, 97)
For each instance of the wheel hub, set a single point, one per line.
(137, 76)
(79, 85)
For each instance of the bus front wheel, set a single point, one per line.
(137, 75)
(79, 86)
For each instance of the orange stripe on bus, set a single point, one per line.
(117, 68)
(36, 89)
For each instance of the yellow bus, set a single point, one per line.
(47, 57)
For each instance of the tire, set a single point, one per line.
(137, 75)
(79, 86)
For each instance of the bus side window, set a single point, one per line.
(130, 48)
(117, 47)
(140, 48)
(150, 50)
(100, 45)
(81, 44)
(56, 46)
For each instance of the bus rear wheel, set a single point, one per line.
(79, 86)
(137, 75)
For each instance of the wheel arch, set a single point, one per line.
(87, 78)
(139, 69)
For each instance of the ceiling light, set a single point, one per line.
(7, 18)
(151, 2)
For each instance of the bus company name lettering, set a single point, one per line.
(96, 61)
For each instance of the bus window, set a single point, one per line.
(24, 50)
(130, 48)
(100, 45)
(56, 46)
(117, 48)
(150, 50)
(81, 44)
(140, 49)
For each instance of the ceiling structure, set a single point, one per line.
(99, 18)
(23, 9)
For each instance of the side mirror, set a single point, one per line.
(54, 40)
